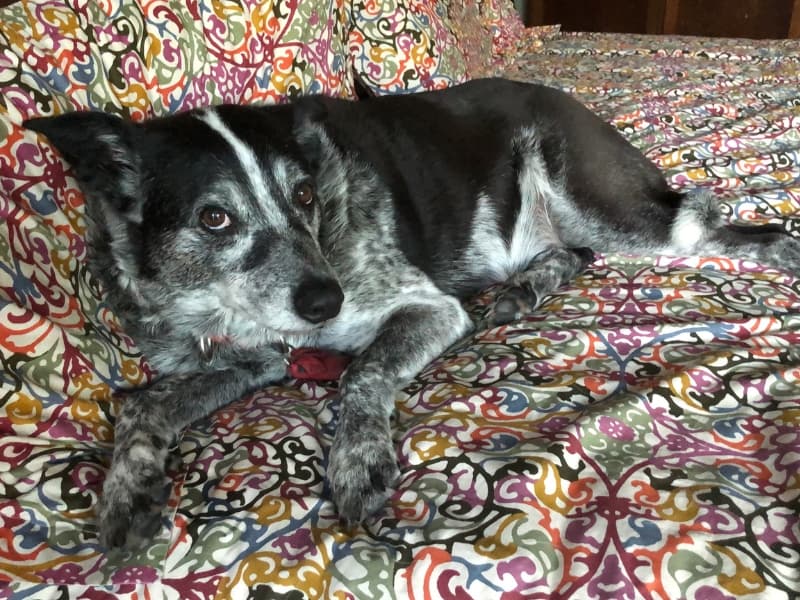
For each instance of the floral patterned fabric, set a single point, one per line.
(636, 437)
(490, 34)
(154, 57)
(403, 46)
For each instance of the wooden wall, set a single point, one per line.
(723, 18)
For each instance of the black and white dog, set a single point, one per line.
(223, 234)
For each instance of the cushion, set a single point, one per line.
(151, 58)
(491, 34)
(402, 46)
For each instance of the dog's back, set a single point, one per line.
(480, 174)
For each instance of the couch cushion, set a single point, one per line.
(400, 46)
(152, 58)
(491, 34)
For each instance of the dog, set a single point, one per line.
(223, 234)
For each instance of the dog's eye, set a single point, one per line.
(215, 219)
(304, 194)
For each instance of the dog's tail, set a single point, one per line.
(700, 228)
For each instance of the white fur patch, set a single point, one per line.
(686, 233)
(250, 166)
(141, 452)
(533, 230)
(486, 246)
(357, 326)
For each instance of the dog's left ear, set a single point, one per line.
(101, 149)
(310, 115)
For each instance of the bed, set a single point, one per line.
(638, 436)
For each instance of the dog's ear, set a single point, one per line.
(102, 151)
(310, 115)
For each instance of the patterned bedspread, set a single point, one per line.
(636, 437)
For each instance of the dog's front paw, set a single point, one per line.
(361, 471)
(129, 512)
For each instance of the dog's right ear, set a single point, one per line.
(101, 149)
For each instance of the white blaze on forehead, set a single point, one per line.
(250, 166)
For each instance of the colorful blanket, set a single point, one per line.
(637, 437)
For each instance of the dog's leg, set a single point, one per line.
(148, 422)
(362, 465)
(544, 274)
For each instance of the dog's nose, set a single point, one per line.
(318, 300)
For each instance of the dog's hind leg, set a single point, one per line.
(699, 228)
(148, 422)
(362, 465)
(543, 275)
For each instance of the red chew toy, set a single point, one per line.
(316, 365)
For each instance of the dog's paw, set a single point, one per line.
(547, 271)
(128, 515)
(512, 305)
(361, 473)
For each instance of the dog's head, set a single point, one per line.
(210, 218)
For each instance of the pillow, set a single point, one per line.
(472, 36)
(403, 46)
(490, 34)
(503, 23)
(150, 58)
